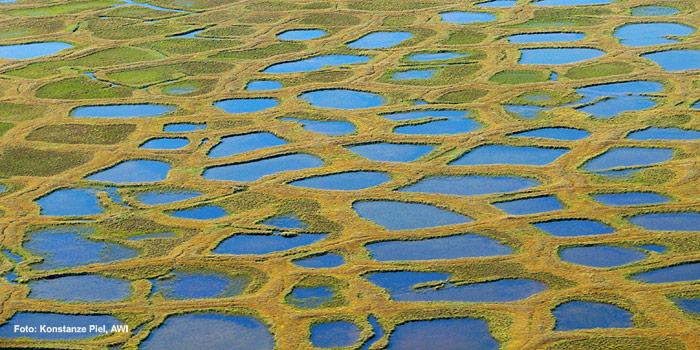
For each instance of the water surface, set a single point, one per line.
(165, 143)
(263, 85)
(558, 56)
(140, 110)
(315, 63)
(675, 60)
(467, 17)
(553, 37)
(601, 255)
(443, 334)
(287, 221)
(570, 2)
(180, 284)
(184, 127)
(436, 56)
(391, 152)
(469, 185)
(204, 212)
(310, 297)
(258, 244)
(301, 34)
(334, 334)
(32, 50)
(256, 169)
(343, 99)
(70, 202)
(654, 11)
(80, 288)
(237, 144)
(133, 171)
(433, 122)
(325, 127)
(246, 105)
(664, 134)
(532, 205)
(347, 181)
(673, 221)
(322, 261)
(655, 33)
(562, 134)
(677, 273)
(503, 154)
(622, 157)
(414, 74)
(395, 215)
(574, 227)
(165, 197)
(380, 40)
(588, 315)
(630, 198)
(450, 247)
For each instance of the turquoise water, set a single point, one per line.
(70, 202)
(630, 198)
(655, 33)
(466, 17)
(347, 181)
(391, 152)
(574, 227)
(557, 56)
(204, 212)
(165, 143)
(32, 50)
(450, 247)
(563, 134)
(122, 111)
(263, 85)
(325, 127)
(165, 197)
(673, 221)
(443, 334)
(50, 320)
(676, 60)
(437, 56)
(503, 154)
(664, 134)
(334, 334)
(433, 122)
(315, 63)
(80, 288)
(553, 37)
(532, 205)
(133, 171)
(237, 144)
(301, 34)
(254, 170)
(395, 215)
(323, 261)
(379, 40)
(246, 105)
(654, 11)
(588, 315)
(601, 255)
(257, 244)
(198, 285)
(342, 99)
(469, 185)
(417, 74)
(677, 273)
(184, 127)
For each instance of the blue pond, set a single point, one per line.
(588, 315)
(377, 333)
(688, 305)
(287, 221)
(450, 247)
(466, 17)
(343, 99)
(263, 85)
(165, 143)
(204, 212)
(443, 334)
(301, 34)
(677, 273)
(391, 152)
(525, 111)
(246, 105)
(622, 157)
(532, 205)
(247, 244)
(395, 215)
(674, 221)
(553, 37)
(601, 255)
(676, 60)
(497, 3)
(630, 198)
(325, 127)
(218, 331)
(254, 170)
(310, 297)
(133, 171)
(664, 134)
(562, 134)
(570, 2)
(574, 227)
(414, 74)
(198, 285)
(32, 50)
(347, 181)
(611, 99)
(437, 56)
(557, 56)
(380, 40)
(237, 144)
(654, 248)
(402, 286)
(433, 122)
(315, 63)
(70, 202)
(334, 334)
(70, 246)
(191, 34)
(469, 185)
(503, 154)
(323, 261)
(122, 111)
(654, 11)
(165, 197)
(78, 288)
(50, 320)
(646, 34)
(184, 127)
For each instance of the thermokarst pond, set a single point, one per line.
(32, 50)
(262, 243)
(379, 40)
(80, 288)
(675, 60)
(558, 56)
(143, 110)
(334, 334)
(133, 171)
(233, 145)
(391, 152)
(315, 63)
(465, 17)
(342, 99)
(471, 185)
(503, 154)
(450, 247)
(647, 34)
(348, 181)
(246, 105)
(325, 127)
(588, 315)
(433, 122)
(445, 334)
(395, 215)
(165, 143)
(254, 170)
(70, 202)
(183, 284)
(301, 34)
(601, 255)
(323, 261)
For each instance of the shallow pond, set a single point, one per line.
(622, 157)
(588, 315)
(562, 134)
(654, 248)
(525, 111)
(325, 127)
(503, 154)
(122, 111)
(557, 56)
(32, 50)
(263, 85)
(254, 170)
(70, 202)
(133, 171)
(347, 181)
(165, 143)
(656, 33)
(664, 134)
(396, 215)
(334, 334)
(601, 255)
(342, 99)
(610, 99)
(688, 305)
(379, 40)
(450, 247)
(574, 227)
(204, 212)
(497, 3)
(310, 297)
(51, 320)
(654, 11)
(323, 261)
(414, 74)
(553, 37)
(433, 122)
(165, 197)
(191, 34)
(469, 185)
(391, 152)
(301, 34)
(246, 105)
(630, 198)
(436, 56)
(443, 334)
(677, 273)
(247, 244)
(315, 63)
(237, 144)
(675, 60)
(287, 221)
(198, 285)
(466, 17)
(184, 127)
(532, 205)
(674, 221)
(80, 288)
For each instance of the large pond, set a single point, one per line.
(450, 247)
(32, 50)
(558, 56)
(315, 63)
(122, 111)
(342, 99)
(588, 315)
(433, 122)
(80, 288)
(254, 170)
(396, 215)
(133, 171)
(237, 144)
(503, 154)
(469, 185)
(443, 334)
(70, 202)
(380, 40)
(258, 244)
(347, 181)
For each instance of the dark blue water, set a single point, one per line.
(655, 33)
(165, 197)
(601, 255)
(122, 111)
(664, 134)
(557, 56)
(198, 285)
(254, 170)
(401, 286)
(51, 320)
(69, 247)
(436, 56)
(70, 202)
(246, 105)
(677, 273)
(184, 127)
(165, 143)
(532, 205)
(323, 261)
(325, 127)
(654, 11)
(263, 85)
(377, 332)
(287, 221)
(433, 122)
(334, 334)
(246, 244)
(563, 134)
(347, 181)
(133, 171)
(470, 185)
(525, 111)
(204, 212)
(654, 248)
(630, 198)
(673, 221)
(32, 50)
(554, 37)
(466, 17)
(213, 331)
(301, 34)
(675, 60)
(342, 99)
(395, 215)
(80, 288)
(588, 315)
(380, 40)
(574, 227)
(310, 297)
(391, 152)
(315, 63)
(450, 247)
(621, 157)
(503, 154)
(443, 334)
(237, 144)
(688, 305)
